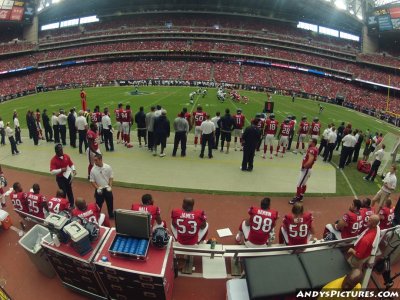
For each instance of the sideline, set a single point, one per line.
(347, 180)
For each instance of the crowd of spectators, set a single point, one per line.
(277, 78)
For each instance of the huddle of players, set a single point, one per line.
(200, 91)
(269, 128)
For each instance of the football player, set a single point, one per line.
(90, 212)
(283, 137)
(315, 128)
(118, 112)
(83, 100)
(366, 211)
(58, 203)
(36, 202)
(258, 229)
(303, 131)
(189, 226)
(271, 127)
(126, 119)
(149, 207)
(297, 227)
(198, 117)
(18, 198)
(191, 97)
(386, 215)
(238, 131)
(350, 225)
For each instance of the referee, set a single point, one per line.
(207, 136)
(101, 178)
(62, 166)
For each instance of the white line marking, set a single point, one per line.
(347, 180)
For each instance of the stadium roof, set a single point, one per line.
(321, 12)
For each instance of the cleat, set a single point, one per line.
(162, 154)
(263, 156)
(129, 146)
(282, 156)
(294, 200)
(270, 157)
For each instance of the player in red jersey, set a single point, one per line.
(38, 125)
(58, 203)
(297, 227)
(351, 224)
(198, 117)
(271, 127)
(126, 119)
(386, 214)
(149, 207)
(18, 198)
(93, 139)
(118, 113)
(283, 137)
(366, 211)
(303, 131)
(83, 100)
(306, 165)
(37, 203)
(260, 124)
(239, 124)
(258, 229)
(315, 128)
(90, 212)
(189, 227)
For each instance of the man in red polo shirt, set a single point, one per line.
(62, 166)
(365, 244)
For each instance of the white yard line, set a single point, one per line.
(347, 180)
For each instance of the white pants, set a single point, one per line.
(284, 141)
(197, 131)
(286, 237)
(125, 127)
(269, 139)
(304, 176)
(119, 126)
(315, 136)
(238, 133)
(302, 138)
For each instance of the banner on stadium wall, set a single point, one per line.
(12, 10)
(17, 13)
(5, 14)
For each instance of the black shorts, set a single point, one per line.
(141, 132)
(161, 140)
(226, 136)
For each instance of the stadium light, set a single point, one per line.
(340, 4)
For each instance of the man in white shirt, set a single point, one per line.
(101, 178)
(56, 127)
(82, 127)
(331, 142)
(375, 165)
(17, 129)
(349, 141)
(388, 187)
(10, 134)
(62, 123)
(324, 141)
(217, 129)
(107, 131)
(207, 136)
(2, 132)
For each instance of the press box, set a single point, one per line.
(133, 234)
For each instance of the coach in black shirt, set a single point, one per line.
(48, 131)
(226, 125)
(71, 128)
(251, 136)
(140, 120)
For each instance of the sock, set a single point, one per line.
(235, 140)
(297, 145)
(271, 149)
(302, 146)
(118, 133)
(265, 148)
(299, 190)
(303, 189)
(277, 149)
(196, 140)
(283, 152)
(128, 138)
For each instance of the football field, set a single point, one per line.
(219, 175)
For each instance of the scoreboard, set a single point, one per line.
(385, 19)
(15, 11)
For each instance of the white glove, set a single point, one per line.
(99, 191)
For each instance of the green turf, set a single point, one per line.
(173, 99)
